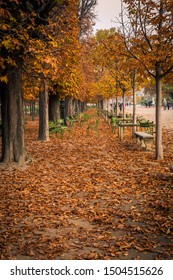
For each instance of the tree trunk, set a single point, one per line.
(102, 107)
(100, 104)
(159, 147)
(54, 107)
(117, 106)
(84, 106)
(77, 107)
(73, 107)
(13, 145)
(32, 109)
(68, 106)
(123, 104)
(43, 115)
(134, 100)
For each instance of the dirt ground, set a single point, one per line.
(149, 113)
(88, 196)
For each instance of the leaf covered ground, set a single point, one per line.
(87, 196)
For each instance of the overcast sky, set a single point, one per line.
(107, 11)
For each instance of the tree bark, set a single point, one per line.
(32, 109)
(123, 104)
(43, 115)
(68, 106)
(159, 147)
(77, 107)
(13, 144)
(116, 105)
(134, 100)
(54, 107)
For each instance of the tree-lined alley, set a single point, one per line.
(69, 189)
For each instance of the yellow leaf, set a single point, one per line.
(4, 79)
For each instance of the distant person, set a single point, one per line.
(164, 104)
(121, 106)
(146, 104)
(168, 105)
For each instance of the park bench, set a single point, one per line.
(83, 118)
(144, 139)
(101, 112)
(147, 126)
(114, 121)
(70, 120)
(92, 125)
(105, 114)
(122, 126)
(58, 127)
(114, 124)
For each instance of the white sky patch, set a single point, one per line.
(107, 11)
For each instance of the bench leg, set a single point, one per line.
(114, 128)
(138, 140)
(145, 143)
(121, 133)
(141, 142)
(148, 143)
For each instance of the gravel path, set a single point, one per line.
(149, 113)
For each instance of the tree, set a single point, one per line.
(105, 59)
(86, 16)
(22, 21)
(69, 83)
(151, 46)
(117, 71)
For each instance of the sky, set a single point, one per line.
(107, 11)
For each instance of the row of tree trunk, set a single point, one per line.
(12, 116)
(52, 108)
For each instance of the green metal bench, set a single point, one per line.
(58, 127)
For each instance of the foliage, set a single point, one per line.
(109, 65)
(46, 37)
(149, 36)
(22, 22)
(168, 91)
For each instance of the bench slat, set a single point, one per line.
(144, 135)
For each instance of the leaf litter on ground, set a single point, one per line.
(87, 196)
